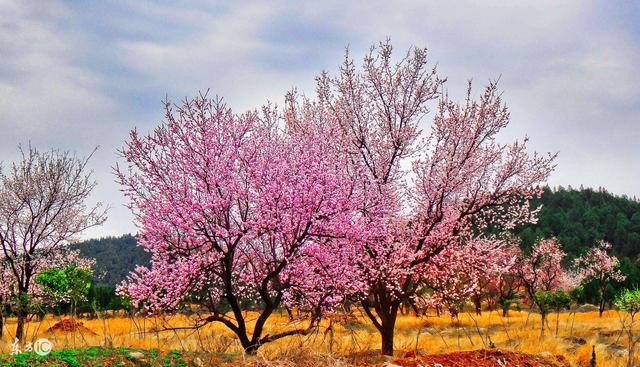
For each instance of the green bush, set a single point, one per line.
(629, 301)
(552, 301)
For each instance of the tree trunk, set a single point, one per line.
(601, 290)
(388, 316)
(543, 320)
(1, 321)
(557, 322)
(387, 332)
(22, 317)
(477, 302)
(251, 349)
(415, 309)
(21, 310)
(385, 322)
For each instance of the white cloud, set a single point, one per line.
(79, 75)
(43, 90)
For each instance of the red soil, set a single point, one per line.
(69, 326)
(482, 358)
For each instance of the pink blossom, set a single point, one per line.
(597, 265)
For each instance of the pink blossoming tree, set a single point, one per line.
(461, 180)
(543, 277)
(497, 266)
(542, 269)
(504, 290)
(462, 272)
(597, 265)
(235, 210)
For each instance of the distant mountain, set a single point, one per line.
(115, 257)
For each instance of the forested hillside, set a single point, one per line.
(580, 217)
(115, 257)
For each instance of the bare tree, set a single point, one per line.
(42, 209)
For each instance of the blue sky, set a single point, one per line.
(74, 75)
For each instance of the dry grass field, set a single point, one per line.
(352, 341)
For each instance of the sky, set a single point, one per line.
(80, 74)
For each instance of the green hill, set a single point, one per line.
(578, 218)
(115, 257)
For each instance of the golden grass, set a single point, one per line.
(354, 340)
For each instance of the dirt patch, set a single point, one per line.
(482, 358)
(69, 326)
(609, 333)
